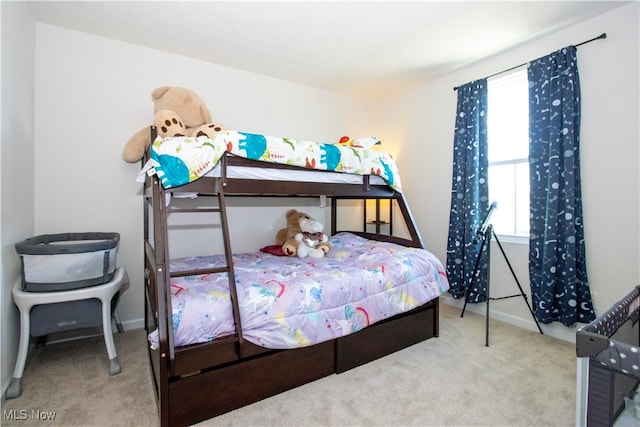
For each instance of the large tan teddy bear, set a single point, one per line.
(178, 111)
(303, 236)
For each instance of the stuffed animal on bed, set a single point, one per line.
(169, 123)
(303, 236)
(208, 129)
(178, 111)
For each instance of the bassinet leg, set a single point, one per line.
(108, 316)
(116, 319)
(114, 365)
(15, 388)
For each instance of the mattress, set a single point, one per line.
(290, 302)
(299, 175)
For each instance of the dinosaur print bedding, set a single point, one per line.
(180, 160)
(290, 302)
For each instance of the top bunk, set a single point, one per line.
(245, 164)
(241, 160)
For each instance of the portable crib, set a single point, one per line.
(608, 351)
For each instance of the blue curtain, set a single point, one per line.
(557, 268)
(469, 192)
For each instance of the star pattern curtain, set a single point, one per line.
(469, 193)
(557, 264)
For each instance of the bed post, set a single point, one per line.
(409, 221)
(157, 289)
(228, 253)
(166, 348)
(415, 239)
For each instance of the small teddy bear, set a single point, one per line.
(303, 236)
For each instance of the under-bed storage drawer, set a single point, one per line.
(400, 332)
(199, 397)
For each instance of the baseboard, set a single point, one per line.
(555, 330)
(133, 324)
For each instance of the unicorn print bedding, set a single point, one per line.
(289, 302)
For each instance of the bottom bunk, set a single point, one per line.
(192, 398)
(302, 319)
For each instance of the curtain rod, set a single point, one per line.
(601, 36)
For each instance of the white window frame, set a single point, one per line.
(511, 235)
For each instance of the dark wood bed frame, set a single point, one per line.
(196, 382)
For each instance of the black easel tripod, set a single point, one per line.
(486, 232)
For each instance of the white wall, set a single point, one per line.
(423, 121)
(93, 93)
(16, 155)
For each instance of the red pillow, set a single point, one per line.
(273, 250)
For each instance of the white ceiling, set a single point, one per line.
(370, 49)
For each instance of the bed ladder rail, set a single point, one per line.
(227, 268)
(230, 273)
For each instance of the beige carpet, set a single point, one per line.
(522, 379)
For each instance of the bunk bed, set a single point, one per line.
(202, 378)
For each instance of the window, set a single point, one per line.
(508, 136)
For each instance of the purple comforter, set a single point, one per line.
(289, 302)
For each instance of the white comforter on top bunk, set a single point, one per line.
(180, 160)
